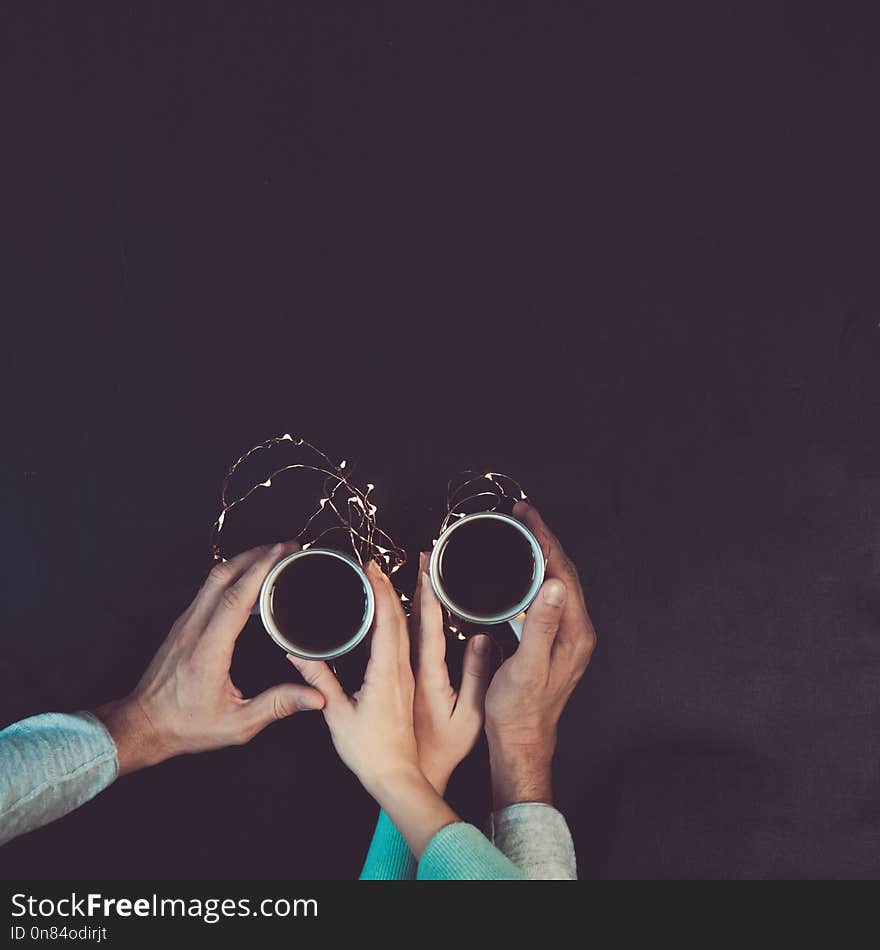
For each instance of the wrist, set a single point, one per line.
(138, 745)
(521, 771)
(412, 803)
(436, 775)
(392, 778)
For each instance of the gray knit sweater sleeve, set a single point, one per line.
(536, 838)
(50, 765)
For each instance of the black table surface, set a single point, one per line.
(624, 252)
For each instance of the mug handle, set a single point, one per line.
(516, 624)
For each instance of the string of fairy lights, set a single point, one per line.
(351, 510)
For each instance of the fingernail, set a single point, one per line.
(277, 550)
(481, 644)
(309, 702)
(426, 581)
(554, 593)
(423, 561)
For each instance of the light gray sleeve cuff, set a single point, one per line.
(50, 765)
(536, 838)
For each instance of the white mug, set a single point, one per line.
(264, 606)
(516, 615)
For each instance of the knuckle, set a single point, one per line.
(520, 675)
(475, 671)
(231, 599)
(313, 676)
(546, 627)
(239, 733)
(281, 708)
(586, 646)
(220, 573)
(189, 665)
(568, 572)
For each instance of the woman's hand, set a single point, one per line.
(373, 731)
(447, 723)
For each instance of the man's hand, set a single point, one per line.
(186, 701)
(447, 722)
(528, 693)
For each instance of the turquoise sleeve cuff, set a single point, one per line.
(459, 852)
(389, 857)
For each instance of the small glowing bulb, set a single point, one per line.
(461, 636)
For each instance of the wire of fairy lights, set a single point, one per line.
(470, 492)
(353, 512)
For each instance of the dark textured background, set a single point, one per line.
(626, 252)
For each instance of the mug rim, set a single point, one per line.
(523, 603)
(272, 628)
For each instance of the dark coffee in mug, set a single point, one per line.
(318, 603)
(486, 567)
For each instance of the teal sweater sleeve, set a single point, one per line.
(389, 857)
(458, 852)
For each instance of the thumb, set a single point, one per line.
(475, 673)
(282, 701)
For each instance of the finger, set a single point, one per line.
(225, 574)
(389, 624)
(320, 677)
(576, 623)
(431, 639)
(279, 702)
(542, 623)
(558, 563)
(416, 610)
(475, 674)
(234, 604)
(405, 644)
